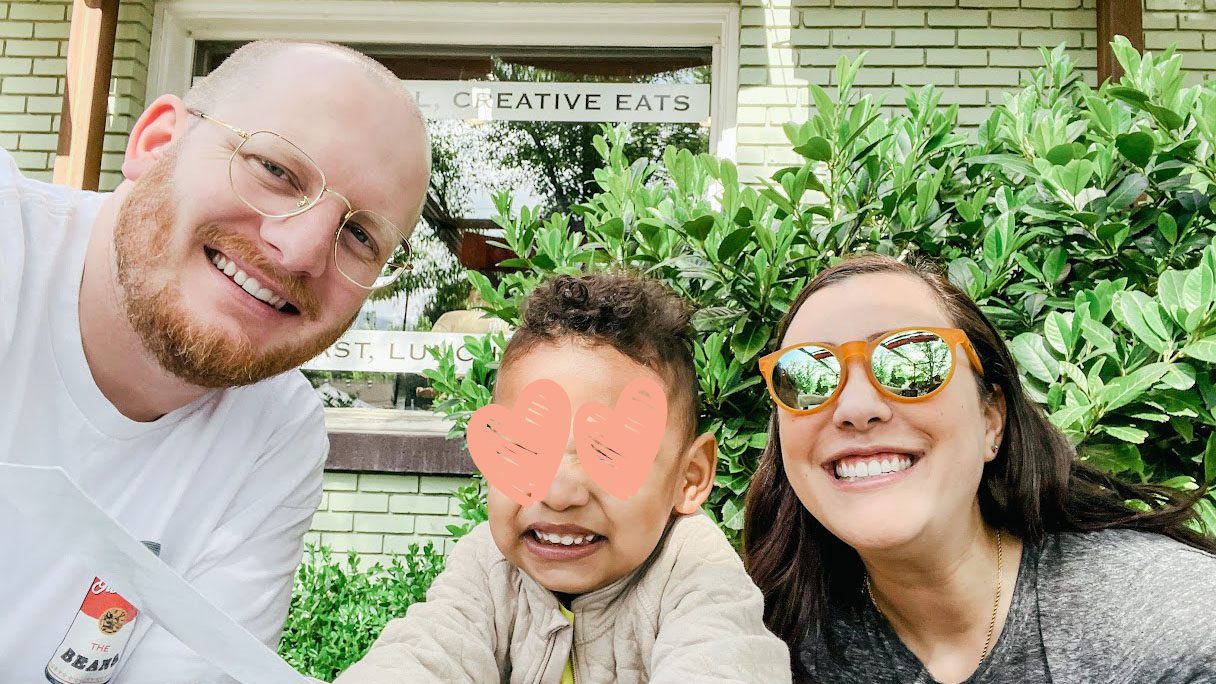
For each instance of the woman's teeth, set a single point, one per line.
(565, 539)
(857, 470)
(250, 285)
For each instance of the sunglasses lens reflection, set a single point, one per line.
(912, 363)
(804, 378)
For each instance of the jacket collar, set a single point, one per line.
(593, 607)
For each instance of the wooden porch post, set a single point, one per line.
(82, 126)
(1118, 18)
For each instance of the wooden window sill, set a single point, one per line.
(393, 441)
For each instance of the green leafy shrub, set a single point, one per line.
(338, 610)
(1081, 220)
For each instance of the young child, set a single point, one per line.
(583, 586)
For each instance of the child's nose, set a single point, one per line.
(569, 487)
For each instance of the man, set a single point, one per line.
(146, 337)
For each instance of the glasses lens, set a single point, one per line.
(804, 377)
(274, 176)
(370, 250)
(912, 363)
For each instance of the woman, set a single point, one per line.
(916, 518)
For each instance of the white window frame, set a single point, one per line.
(179, 24)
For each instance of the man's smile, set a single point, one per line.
(256, 289)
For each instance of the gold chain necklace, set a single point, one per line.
(996, 602)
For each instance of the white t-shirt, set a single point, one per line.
(227, 485)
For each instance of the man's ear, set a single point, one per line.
(161, 124)
(696, 476)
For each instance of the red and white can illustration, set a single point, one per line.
(96, 639)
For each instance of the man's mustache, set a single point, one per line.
(240, 247)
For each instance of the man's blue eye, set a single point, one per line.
(274, 168)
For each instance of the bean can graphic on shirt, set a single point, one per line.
(97, 638)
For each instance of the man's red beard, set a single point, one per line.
(200, 354)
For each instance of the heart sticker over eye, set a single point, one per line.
(617, 445)
(518, 450)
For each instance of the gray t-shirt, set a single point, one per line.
(1116, 606)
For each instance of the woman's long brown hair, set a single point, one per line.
(1034, 486)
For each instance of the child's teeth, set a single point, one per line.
(564, 539)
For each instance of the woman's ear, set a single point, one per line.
(696, 477)
(994, 423)
(161, 124)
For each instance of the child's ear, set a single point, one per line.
(696, 477)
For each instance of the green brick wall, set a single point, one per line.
(975, 50)
(33, 60)
(378, 515)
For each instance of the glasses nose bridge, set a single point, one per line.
(350, 208)
(847, 353)
(851, 350)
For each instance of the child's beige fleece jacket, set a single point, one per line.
(689, 615)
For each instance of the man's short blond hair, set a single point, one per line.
(239, 72)
(235, 76)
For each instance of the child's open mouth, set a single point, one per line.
(553, 543)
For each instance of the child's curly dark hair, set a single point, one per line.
(635, 315)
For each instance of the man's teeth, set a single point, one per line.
(856, 470)
(250, 285)
(565, 539)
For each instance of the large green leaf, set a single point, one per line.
(1209, 460)
(1129, 388)
(1115, 458)
(1129, 95)
(716, 318)
(1055, 265)
(699, 227)
(1068, 415)
(817, 148)
(749, 339)
(1137, 147)
(1034, 358)
(734, 243)
(1165, 116)
(1168, 227)
(1007, 162)
(1180, 376)
(732, 515)
(1169, 290)
(1125, 193)
(1141, 315)
(1127, 434)
(1058, 333)
(1061, 154)
(1075, 177)
(1203, 350)
(1199, 290)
